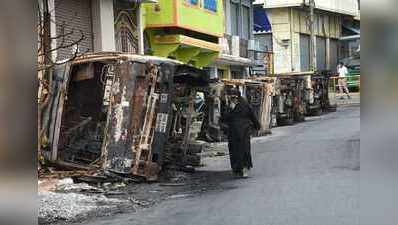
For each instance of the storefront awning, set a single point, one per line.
(261, 21)
(185, 49)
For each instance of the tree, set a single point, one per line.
(46, 64)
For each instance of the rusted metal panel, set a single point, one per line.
(117, 155)
(62, 78)
(148, 123)
(115, 111)
(164, 115)
(142, 164)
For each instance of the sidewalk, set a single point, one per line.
(355, 99)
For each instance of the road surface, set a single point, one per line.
(306, 174)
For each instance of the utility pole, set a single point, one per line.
(313, 37)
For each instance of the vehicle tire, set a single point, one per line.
(317, 112)
(290, 121)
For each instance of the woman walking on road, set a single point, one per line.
(241, 121)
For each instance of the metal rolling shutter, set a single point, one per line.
(74, 14)
(321, 53)
(334, 54)
(304, 52)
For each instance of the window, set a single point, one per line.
(210, 5)
(193, 2)
(246, 22)
(234, 18)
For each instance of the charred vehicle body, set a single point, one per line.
(211, 127)
(118, 112)
(258, 94)
(289, 103)
(318, 94)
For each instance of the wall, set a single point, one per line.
(281, 38)
(199, 19)
(179, 13)
(161, 14)
(347, 7)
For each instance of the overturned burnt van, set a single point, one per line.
(258, 93)
(118, 112)
(217, 97)
(289, 103)
(320, 94)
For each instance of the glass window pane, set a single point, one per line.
(210, 5)
(193, 2)
(234, 18)
(246, 22)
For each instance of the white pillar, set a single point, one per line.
(103, 25)
(328, 65)
(140, 30)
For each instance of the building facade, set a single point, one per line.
(96, 25)
(235, 59)
(186, 30)
(291, 36)
(350, 41)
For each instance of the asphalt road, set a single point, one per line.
(306, 174)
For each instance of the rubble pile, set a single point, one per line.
(72, 206)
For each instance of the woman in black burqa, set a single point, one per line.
(241, 122)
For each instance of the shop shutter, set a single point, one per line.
(334, 54)
(305, 52)
(321, 53)
(76, 17)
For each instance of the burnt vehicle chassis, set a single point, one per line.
(289, 103)
(211, 128)
(114, 111)
(257, 94)
(320, 83)
(318, 95)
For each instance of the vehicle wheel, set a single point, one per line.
(290, 121)
(301, 117)
(332, 108)
(317, 112)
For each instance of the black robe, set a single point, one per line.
(241, 121)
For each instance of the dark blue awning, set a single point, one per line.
(261, 21)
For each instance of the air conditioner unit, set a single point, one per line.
(235, 46)
(223, 42)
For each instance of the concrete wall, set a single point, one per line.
(103, 25)
(347, 7)
(282, 38)
(287, 25)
